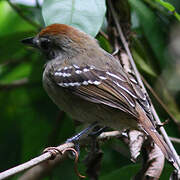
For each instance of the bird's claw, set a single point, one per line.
(159, 125)
(75, 140)
(54, 151)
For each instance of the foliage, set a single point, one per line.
(169, 7)
(30, 121)
(87, 16)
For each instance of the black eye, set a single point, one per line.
(45, 43)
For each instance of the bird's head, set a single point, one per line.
(60, 40)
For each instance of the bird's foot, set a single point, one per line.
(159, 125)
(97, 131)
(53, 150)
(75, 139)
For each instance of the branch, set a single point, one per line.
(38, 4)
(45, 167)
(159, 100)
(15, 84)
(175, 140)
(163, 132)
(40, 167)
(33, 162)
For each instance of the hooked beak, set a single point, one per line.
(30, 41)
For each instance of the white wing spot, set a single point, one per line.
(75, 84)
(66, 74)
(85, 70)
(66, 68)
(61, 84)
(92, 67)
(90, 82)
(69, 84)
(97, 83)
(94, 82)
(66, 84)
(76, 66)
(62, 74)
(102, 77)
(78, 71)
(59, 69)
(58, 73)
(85, 83)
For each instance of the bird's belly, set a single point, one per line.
(88, 112)
(104, 115)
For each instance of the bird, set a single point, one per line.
(91, 85)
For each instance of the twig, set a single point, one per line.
(43, 169)
(175, 140)
(107, 135)
(32, 162)
(155, 6)
(159, 100)
(125, 44)
(38, 4)
(15, 84)
(46, 156)
(163, 132)
(20, 13)
(40, 168)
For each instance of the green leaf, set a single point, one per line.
(177, 15)
(125, 172)
(19, 72)
(169, 7)
(87, 16)
(166, 5)
(151, 29)
(104, 43)
(11, 22)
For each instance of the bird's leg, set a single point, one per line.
(96, 132)
(75, 139)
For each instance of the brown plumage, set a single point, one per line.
(90, 84)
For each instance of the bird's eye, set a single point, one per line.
(45, 43)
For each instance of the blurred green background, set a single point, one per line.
(30, 121)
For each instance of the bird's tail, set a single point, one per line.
(149, 128)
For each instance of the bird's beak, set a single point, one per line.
(30, 41)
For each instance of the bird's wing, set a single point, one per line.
(99, 86)
(114, 89)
